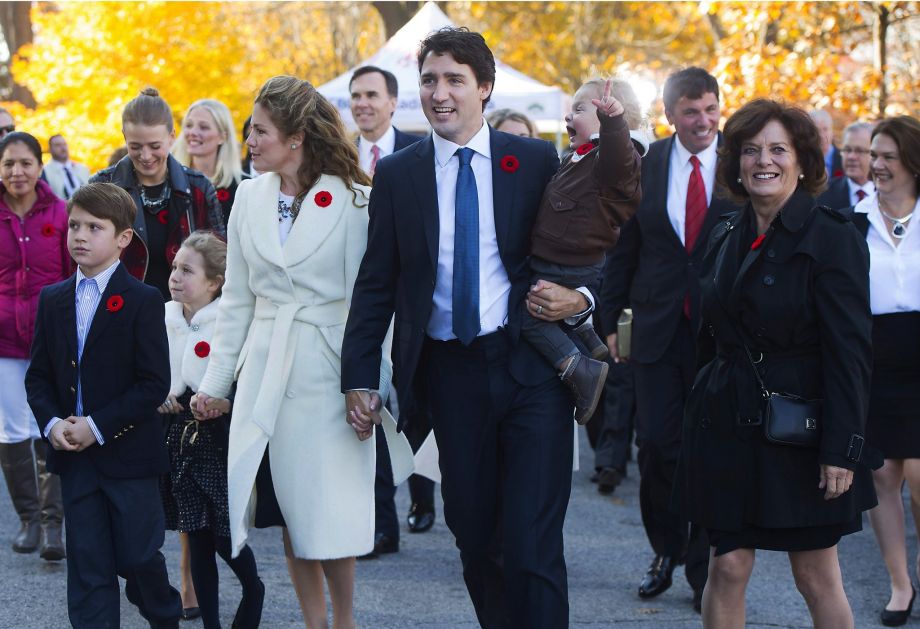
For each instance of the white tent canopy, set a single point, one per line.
(541, 103)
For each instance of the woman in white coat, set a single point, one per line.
(296, 238)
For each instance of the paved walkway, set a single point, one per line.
(422, 586)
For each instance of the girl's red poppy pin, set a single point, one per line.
(163, 217)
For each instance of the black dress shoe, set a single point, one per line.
(383, 545)
(190, 613)
(608, 479)
(420, 518)
(658, 577)
(891, 618)
(698, 601)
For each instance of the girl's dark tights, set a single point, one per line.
(202, 546)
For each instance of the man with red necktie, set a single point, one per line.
(653, 270)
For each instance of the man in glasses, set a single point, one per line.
(854, 185)
(6, 123)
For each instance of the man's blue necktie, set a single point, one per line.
(465, 306)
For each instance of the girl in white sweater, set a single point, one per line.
(195, 492)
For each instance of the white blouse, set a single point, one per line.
(894, 270)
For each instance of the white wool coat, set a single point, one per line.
(280, 325)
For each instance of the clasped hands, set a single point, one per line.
(362, 412)
(203, 406)
(551, 302)
(72, 434)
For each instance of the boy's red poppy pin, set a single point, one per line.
(323, 198)
(115, 303)
(510, 163)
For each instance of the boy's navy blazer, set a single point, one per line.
(399, 269)
(124, 375)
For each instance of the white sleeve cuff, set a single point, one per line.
(580, 317)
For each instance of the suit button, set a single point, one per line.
(289, 394)
(771, 253)
(768, 280)
(712, 331)
(705, 422)
(73, 389)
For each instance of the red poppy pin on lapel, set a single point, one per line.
(510, 163)
(47, 230)
(115, 303)
(323, 198)
(202, 349)
(163, 217)
(223, 195)
(757, 242)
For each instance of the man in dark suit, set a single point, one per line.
(654, 269)
(373, 101)
(98, 371)
(833, 161)
(448, 245)
(855, 184)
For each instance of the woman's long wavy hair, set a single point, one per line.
(295, 106)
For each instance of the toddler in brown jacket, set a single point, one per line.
(594, 192)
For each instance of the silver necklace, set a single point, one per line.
(899, 225)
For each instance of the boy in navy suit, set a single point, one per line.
(99, 369)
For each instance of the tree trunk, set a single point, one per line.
(16, 22)
(396, 14)
(880, 39)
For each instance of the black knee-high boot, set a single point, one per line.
(249, 613)
(204, 575)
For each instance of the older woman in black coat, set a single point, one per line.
(789, 282)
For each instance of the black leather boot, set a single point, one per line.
(585, 378)
(18, 463)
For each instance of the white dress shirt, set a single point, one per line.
(894, 270)
(494, 285)
(87, 298)
(386, 144)
(680, 169)
(852, 186)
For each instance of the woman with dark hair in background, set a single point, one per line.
(33, 254)
(172, 200)
(785, 308)
(885, 219)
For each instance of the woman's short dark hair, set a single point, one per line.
(903, 131)
(465, 47)
(745, 123)
(22, 137)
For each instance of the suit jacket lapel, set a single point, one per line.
(503, 186)
(426, 192)
(658, 192)
(66, 302)
(118, 285)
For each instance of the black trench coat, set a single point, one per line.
(801, 298)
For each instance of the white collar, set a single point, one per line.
(102, 279)
(445, 149)
(175, 315)
(387, 139)
(707, 156)
(869, 205)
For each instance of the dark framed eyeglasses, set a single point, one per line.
(845, 149)
(7, 129)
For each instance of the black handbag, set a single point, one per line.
(788, 419)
